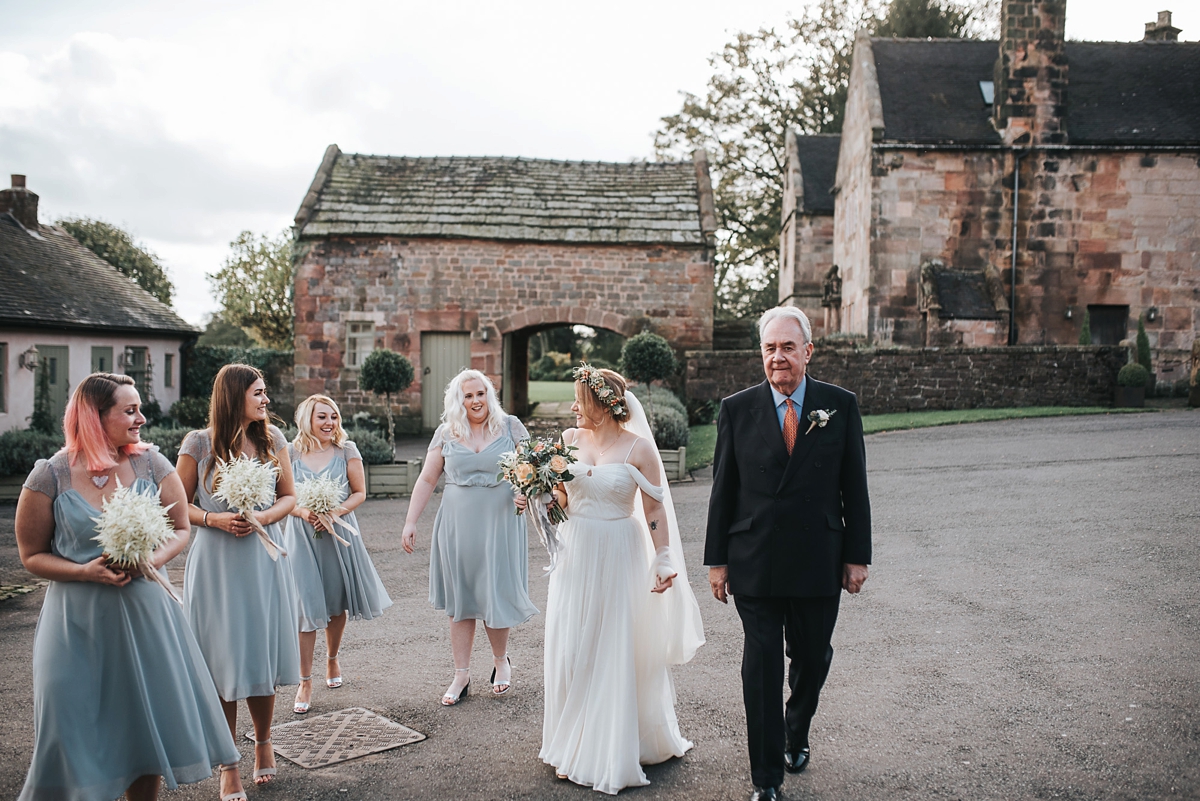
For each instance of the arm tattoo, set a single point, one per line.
(654, 525)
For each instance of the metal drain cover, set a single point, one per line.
(338, 736)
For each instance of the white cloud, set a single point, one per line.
(187, 123)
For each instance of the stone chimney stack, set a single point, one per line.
(1162, 30)
(1031, 73)
(20, 203)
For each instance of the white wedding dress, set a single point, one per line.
(610, 701)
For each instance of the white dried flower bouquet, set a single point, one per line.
(322, 496)
(244, 484)
(131, 527)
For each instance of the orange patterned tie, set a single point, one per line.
(791, 424)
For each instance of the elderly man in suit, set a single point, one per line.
(789, 528)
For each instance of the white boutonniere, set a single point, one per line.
(819, 419)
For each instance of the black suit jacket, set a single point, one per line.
(785, 525)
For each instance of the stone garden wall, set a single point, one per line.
(908, 379)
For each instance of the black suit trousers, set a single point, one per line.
(805, 626)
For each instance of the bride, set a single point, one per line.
(620, 609)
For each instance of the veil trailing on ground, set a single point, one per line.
(684, 630)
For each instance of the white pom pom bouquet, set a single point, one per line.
(132, 526)
(244, 484)
(322, 496)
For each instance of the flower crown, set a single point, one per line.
(592, 379)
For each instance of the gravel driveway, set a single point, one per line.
(1031, 629)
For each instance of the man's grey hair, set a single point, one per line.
(786, 311)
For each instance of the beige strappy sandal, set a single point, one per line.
(268, 774)
(239, 795)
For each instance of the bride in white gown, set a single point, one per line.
(620, 609)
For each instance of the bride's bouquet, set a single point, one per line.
(244, 484)
(322, 495)
(132, 526)
(534, 469)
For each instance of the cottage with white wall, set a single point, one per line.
(64, 308)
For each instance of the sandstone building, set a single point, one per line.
(1072, 166)
(455, 262)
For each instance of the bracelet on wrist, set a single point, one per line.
(206, 520)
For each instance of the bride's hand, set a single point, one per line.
(664, 572)
(520, 501)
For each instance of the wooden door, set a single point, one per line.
(56, 361)
(1109, 324)
(102, 360)
(443, 356)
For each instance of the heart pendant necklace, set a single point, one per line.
(100, 481)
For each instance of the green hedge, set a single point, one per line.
(21, 448)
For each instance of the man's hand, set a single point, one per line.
(853, 577)
(718, 581)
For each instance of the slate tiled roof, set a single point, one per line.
(504, 198)
(818, 168)
(52, 281)
(1124, 93)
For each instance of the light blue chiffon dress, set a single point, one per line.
(479, 559)
(240, 603)
(332, 578)
(120, 688)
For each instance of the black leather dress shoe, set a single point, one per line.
(765, 794)
(796, 759)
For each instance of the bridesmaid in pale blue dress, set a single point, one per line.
(241, 604)
(479, 563)
(334, 582)
(122, 697)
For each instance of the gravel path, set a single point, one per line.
(1031, 629)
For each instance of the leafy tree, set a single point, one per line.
(386, 373)
(222, 332)
(117, 247)
(254, 286)
(1085, 333)
(763, 83)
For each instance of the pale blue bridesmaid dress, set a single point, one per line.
(120, 687)
(240, 603)
(479, 559)
(332, 578)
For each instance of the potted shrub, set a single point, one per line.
(1143, 357)
(647, 358)
(1131, 386)
(386, 373)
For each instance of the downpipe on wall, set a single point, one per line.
(1012, 304)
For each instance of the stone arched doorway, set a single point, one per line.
(518, 328)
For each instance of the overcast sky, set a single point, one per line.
(189, 122)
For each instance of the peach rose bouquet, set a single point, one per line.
(535, 468)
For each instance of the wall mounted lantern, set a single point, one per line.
(1069, 313)
(29, 359)
(1152, 314)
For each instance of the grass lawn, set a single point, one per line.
(703, 439)
(551, 391)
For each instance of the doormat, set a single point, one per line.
(325, 740)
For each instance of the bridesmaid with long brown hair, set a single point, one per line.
(240, 602)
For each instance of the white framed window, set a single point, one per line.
(360, 341)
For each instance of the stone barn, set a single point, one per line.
(993, 193)
(455, 262)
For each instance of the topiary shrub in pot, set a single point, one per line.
(647, 358)
(1131, 386)
(386, 373)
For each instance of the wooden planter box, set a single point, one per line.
(10, 487)
(675, 464)
(1130, 397)
(392, 480)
